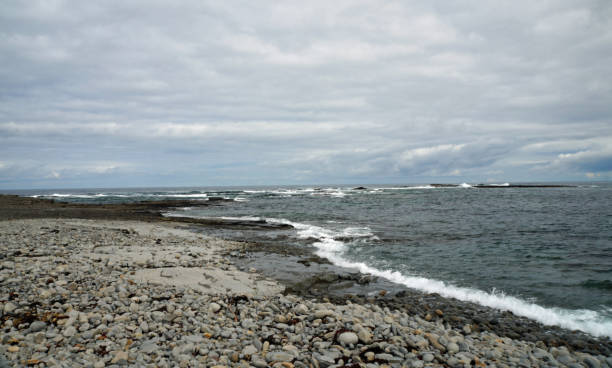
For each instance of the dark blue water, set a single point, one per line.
(545, 253)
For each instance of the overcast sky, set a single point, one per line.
(154, 93)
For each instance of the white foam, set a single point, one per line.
(361, 232)
(332, 192)
(500, 185)
(465, 185)
(585, 320)
(59, 195)
(241, 218)
(284, 192)
(198, 195)
(588, 321)
(407, 188)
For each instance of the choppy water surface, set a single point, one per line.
(544, 253)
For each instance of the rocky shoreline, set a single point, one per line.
(315, 278)
(83, 293)
(121, 285)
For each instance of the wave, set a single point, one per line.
(585, 320)
(406, 188)
(239, 195)
(69, 195)
(331, 244)
(199, 195)
(117, 195)
(331, 192)
(329, 247)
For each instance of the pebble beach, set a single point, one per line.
(103, 293)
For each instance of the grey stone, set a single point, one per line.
(300, 309)
(279, 356)
(348, 338)
(452, 348)
(453, 362)
(9, 308)
(69, 331)
(324, 360)
(541, 354)
(249, 350)
(120, 358)
(565, 359)
(364, 335)
(258, 362)
(214, 307)
(194, 339)
(39, 338)
(388, 358)
(492, 354)
(89, 334)
(37, 326)
(428, 357)
(591, 362)
(148, 347)
(322, 313)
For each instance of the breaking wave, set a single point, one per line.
(328, 246)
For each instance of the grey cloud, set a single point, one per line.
(230, 93)
(595, 159)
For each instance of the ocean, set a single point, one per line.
(542, 253)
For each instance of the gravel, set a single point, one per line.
(68, 300)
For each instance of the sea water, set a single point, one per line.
(542, 253)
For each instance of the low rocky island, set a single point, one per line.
(502, 186)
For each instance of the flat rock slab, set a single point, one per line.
(209, 280)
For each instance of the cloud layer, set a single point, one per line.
(204, 93)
